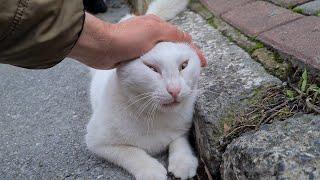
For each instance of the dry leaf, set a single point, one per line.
(226, 128)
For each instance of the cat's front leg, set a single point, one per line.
(134, 160)
(182, 162)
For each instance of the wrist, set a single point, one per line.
(92, 46)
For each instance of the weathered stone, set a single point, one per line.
(310, 8)
(300, 39)
(235, 35)
(270, 62)
(230, 77)
(200, 9)
(218, 7)
(257, 17)
(283, 150)
(289, 3)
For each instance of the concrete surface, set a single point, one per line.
(43, 116)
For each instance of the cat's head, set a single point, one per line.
(164, 78)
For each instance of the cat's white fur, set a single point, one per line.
(133, 114)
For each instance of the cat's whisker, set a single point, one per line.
(137, 97)
(149, 113)
(126, 107)
(156, 105)
(143, 107)
(151, 116)
(156, 110)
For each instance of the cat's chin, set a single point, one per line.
(170, 107)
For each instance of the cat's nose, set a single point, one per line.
(173, 90)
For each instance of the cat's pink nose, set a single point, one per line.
(173, 91)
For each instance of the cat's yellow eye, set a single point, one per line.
(183, 65)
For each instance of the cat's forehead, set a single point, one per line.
(167, 53)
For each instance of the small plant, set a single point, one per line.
(276, 103)
(211, 22)
(304, 81)
(298, 10)
(290, 94)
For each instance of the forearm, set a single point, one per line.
(92, 46)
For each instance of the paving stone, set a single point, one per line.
(310, 8)
(218, 7)
(289, 3)
(257, 17)
(300, 39)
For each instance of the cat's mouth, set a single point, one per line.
(171, 104)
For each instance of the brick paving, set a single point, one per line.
(299, 38)
(288, 32)
(257, 17)
(219, 7)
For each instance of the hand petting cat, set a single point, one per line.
(104, 45)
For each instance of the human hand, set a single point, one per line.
(103, 45)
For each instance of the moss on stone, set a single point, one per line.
(277, 57)
(255, 97)
(298, 10)
(197, 7)
(273, 63)
(211, 22)
(258, 45)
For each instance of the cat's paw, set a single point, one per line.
(153, 171)
(183, 166)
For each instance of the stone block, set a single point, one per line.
(258, 17)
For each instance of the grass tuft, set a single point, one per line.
(298, 10)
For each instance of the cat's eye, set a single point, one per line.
(183, 65)
(153, 68)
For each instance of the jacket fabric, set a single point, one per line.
(38, 34)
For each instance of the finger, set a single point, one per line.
(172, 34)
(154, 17)
(200, 54)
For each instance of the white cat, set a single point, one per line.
(145, 107)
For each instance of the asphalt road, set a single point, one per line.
(43, 115)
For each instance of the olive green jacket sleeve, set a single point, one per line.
(38, 34)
